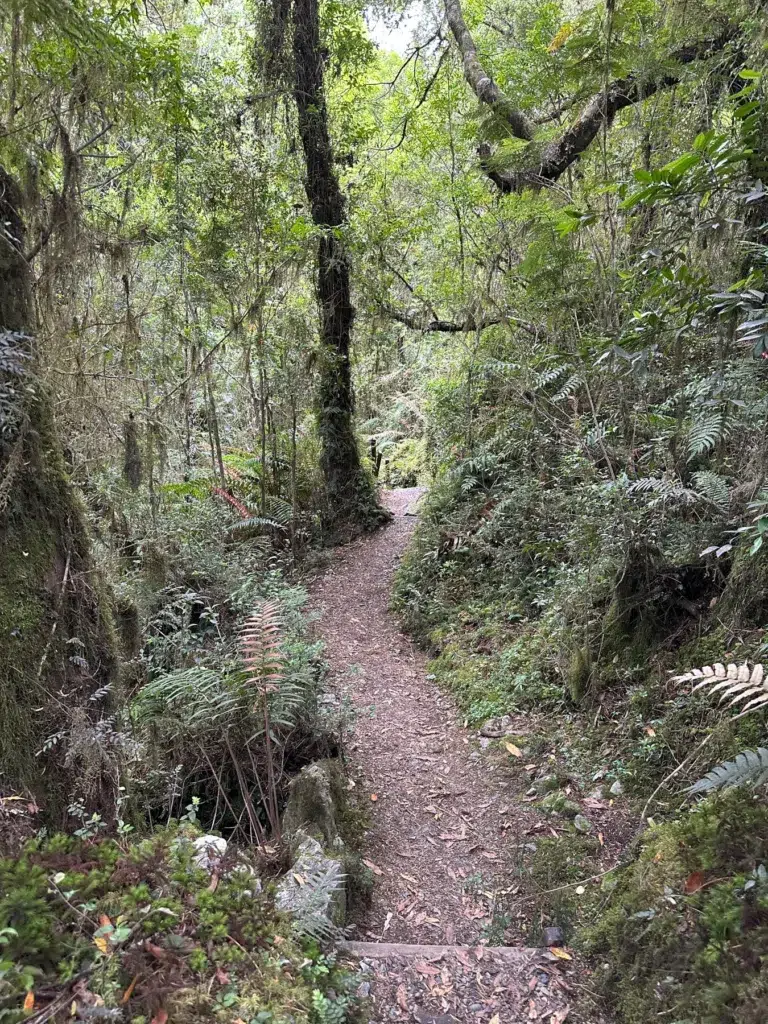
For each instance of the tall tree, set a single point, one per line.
(57, 644)
(350, 493)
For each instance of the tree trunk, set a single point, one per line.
(57, 640)
(350, 493)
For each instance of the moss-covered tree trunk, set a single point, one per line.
(351, 497)
(57, 645)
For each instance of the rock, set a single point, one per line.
(313, 890)
(616, 789)
(558, 803)
(484, 742)
(552, 936)
(582, 824)
(364, 989)
(545, 784)
(492, 729)
(209, 851)
(596, 793)
(315, 796)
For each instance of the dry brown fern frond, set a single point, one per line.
(738, 682)
(260, 644)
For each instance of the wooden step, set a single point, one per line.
(383, 950)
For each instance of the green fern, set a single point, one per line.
(310, 901)
(705, 434)
(749, 768)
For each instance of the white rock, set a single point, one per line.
(209, 851)
(616, 789)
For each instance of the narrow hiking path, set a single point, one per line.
(440, 812)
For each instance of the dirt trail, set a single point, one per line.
(439, 811)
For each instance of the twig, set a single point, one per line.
(671, 775)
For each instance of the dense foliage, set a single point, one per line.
(252, 258)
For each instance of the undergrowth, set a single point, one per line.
(138, 929)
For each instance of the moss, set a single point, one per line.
(579, 673)
(57, 643)
(744, 602)
(686, 922)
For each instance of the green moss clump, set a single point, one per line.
(686, 928)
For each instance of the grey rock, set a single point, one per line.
(552, 936)
(364, 989)
(315, 796)
(582, 824)
(616, 789)
(209, 851)
(428, 1018)
(492, 729)
(484, 742)
(474, 755)
(595, 794)
(299, 897)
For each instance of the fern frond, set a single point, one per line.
(705, 433)
(737, 682)
(261, 651)
(252, 525)
(712, 486)
(749, 768)
(280, 510)
(309, 900)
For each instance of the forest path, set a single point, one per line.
(439, 812)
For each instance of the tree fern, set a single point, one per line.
(749, 768)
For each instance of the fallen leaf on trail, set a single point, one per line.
(278, 940)
(479, 952)
(530, 767)
(494, 1019)
(408, 878)
(514, 751)
(559, 1015)
(214, 883)
(560, 953)
(427, 969)
(580, 890)
(388, 921)
(374, 797)
(600, 838)
(374, 868)
(596, 805)
(104, 921)
(29, 1001)
(694, 882)
(650, 731)
(532, 984)
(161, 1017)
(101, 944)
(221, 976)
(402, 998)
(463, 957)
(129, 991)
(301, 880)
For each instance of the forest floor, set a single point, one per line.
(442, 813)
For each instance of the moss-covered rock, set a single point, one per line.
(316, 798)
